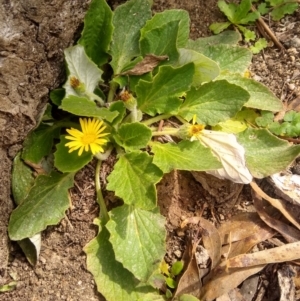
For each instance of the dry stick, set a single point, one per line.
(261, 25)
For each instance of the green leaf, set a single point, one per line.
(113, 281)
(265, 153)
(153, 297)
(133, 179)
(82, 106)
(229, 37)
(97, 31)
(259, 45)
(265, 119)
(260, 96)
(186, 297)
(151, 41)
(279, 12)
(128, 19)
(213, 102)
(232, 58)
(69, 162)
(119, 107)
(38, 143)
(45, 205)
(218, 27)
(22, 179)
(161, 95)
(133, 136)
(57, 96)
(9, 287)
(227, 9)
(186, 155)
(138, 239)
(205, 69)
(263, 9)
(171, 282)
(167, 16)
(83, 69)
(177, 267)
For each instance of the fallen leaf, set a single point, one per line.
(289, 233)
(149, 62)
(283, 253)
(286, 283)
(279, 204)
(222, 280)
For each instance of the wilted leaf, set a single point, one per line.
(210, 236)
(31, 247)
(149, 62)
(230, 153)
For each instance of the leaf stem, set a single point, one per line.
(181, 119)
(112, 90)
(165, 131)
(95, 97)
(103, 210)
(155, 119)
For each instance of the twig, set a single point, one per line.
(261, 25)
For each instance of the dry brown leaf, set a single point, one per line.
(289, 233)
(284, 253)
(233, 295)
(286, 283)
(190, 280)
(245, 245)
(294, 105)
(210, 236)
(279, 204)
(240, 226)
(222, 281)
(149, 62)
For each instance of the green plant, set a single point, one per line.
(156, 73)
(242, 14)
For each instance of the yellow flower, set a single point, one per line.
(195, 130)
(89, 138)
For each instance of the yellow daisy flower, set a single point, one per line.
(89, 138)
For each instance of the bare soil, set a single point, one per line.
(33, 36)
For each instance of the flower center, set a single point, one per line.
(196, 129)
(88, 138)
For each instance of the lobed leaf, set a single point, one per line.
(205, 69)
(161, 95)
(260, 96)
(138, 239)
(82, 106)
(133, 136)
(128, 19)
(45, 205)
(113, 281)
(151, 41)
(266, 154)
(69, 162)
(210, 106)
(38, 143)
(165, 17)
(186, 155)
(133, 179)
(97, 31)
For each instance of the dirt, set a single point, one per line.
(33, 36)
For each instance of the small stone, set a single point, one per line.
(222, 217)
(291, 87)
(178, 253)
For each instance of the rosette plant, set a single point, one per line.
(139, 89)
